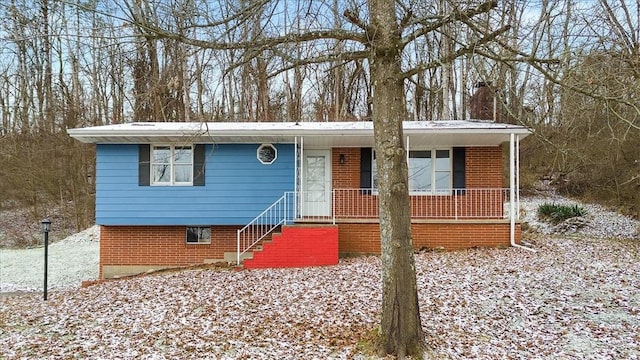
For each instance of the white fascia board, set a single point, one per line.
(476, 131)
(206, 132)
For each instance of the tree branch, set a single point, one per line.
(455, 15)
(353, 18)
(344, 57)
(342, 35)
(537, 64)
(468, 49)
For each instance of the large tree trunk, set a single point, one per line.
(401, 329)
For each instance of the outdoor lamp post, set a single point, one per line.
(45, 225)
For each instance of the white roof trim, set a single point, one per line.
(327, 134)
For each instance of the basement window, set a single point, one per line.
(198, 235)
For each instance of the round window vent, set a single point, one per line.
(267, 154)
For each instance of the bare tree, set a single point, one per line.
(385, 60)
(379, 34)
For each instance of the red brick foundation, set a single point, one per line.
(160, 246)
(135, 249)
(365, 237)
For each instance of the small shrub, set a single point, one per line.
(559, 213)
(546, 209)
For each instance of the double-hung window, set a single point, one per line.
(442, 172)
(171, 165)
(430, 171)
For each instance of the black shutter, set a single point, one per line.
(365, 168)
(459, 181)
(144, 164)
(198, 164)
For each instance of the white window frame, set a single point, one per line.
(172, 181)
(200, 231)
(275, 154)
(447, 190)
(433, 172)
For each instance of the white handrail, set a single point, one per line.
(261, 226)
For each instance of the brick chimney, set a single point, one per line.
(484, 105)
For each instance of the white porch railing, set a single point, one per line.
(261, 226)
(445, 204)
(342, 204)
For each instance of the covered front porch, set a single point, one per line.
(456, 179)
(458, 218)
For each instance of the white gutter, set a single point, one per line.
(208, 131)
(114, 132)
(512, 195)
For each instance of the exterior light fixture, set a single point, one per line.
(342, 159)
(45, 226)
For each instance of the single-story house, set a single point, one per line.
(273, 194)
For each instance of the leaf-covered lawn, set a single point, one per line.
(574, 298)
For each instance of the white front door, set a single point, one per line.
(316, 183)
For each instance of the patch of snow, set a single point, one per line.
(599, 221)
(70, 261)
(90, 235)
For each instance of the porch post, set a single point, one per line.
(300, 190)
(512, 191)
(333, 206)
(295, 179)
(238, 247)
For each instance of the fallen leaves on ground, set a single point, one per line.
(574, 298)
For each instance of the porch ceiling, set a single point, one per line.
(315, 134)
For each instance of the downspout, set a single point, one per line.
(517, 144)
(512, 195)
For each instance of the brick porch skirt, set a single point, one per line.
(129, 250)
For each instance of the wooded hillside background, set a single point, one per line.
(66, 64)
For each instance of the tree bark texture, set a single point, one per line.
(401, 330)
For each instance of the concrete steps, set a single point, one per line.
(232, 256)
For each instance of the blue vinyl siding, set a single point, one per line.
(237, 188)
